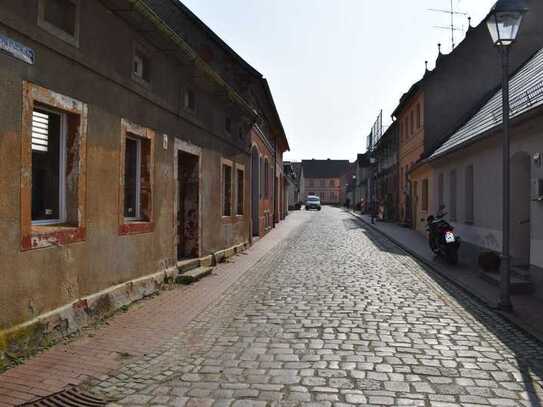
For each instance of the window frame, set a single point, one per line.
(187, 98)
(62, 169)
(240, 168)
(469, 212)
(138, 217)
(56, 31)
(230, 164)
(35, 236)
(453, 195)
(145, 223)
(139, 48)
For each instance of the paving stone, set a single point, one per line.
(345, 319)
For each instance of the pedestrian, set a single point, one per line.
(374, 208)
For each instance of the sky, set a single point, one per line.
(333, 65)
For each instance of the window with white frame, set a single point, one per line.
(48, 166)
(141, 65)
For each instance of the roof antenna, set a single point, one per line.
(469, 21)
(452, 27)
(439, 47)
(426, 64)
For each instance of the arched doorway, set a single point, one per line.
(255, 190)
(520, 208)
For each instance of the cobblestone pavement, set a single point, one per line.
(336, 316)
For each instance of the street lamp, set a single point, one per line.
(504, 23)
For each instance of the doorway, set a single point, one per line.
(188, 205)
(255, 191)
(520, 208)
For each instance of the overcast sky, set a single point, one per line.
(334, 64)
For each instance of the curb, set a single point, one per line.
(525, 328)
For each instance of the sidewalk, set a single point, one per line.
(527, 313)
(139, 331)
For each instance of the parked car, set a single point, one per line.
(313, 202)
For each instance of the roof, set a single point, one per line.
(166, 10)
(170, 11)
(162, 35)
(526, 93)
(325, 168)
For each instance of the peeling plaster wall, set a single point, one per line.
(38, 281)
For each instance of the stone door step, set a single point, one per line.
(193, 275)
(518, 285)
(187, 265)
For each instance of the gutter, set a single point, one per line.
(141, 7)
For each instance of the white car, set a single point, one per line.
(313, 202)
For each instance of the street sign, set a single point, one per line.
(17, 50)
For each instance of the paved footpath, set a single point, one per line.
(334, 316)
(131, 335)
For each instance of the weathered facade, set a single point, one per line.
(123, 151)
(268, 139)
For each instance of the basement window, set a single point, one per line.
(137, 163)
(48, 166)
(60, 18)
(53, 169)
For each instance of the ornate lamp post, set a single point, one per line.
(504, 24)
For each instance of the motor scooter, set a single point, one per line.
(441, 237)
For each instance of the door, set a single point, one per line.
(520, 208)
(188, 211)
(255, 191)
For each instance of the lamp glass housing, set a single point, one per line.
(504, 26)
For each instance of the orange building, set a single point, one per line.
(414, 185)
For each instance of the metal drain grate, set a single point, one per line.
(71, 397)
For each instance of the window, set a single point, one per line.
(425, 194)
(190, 100)
(266, 179)
(137, 163)
(469, 195)
(452, 195)
(228, 125)
(227, 189)
(48, 166)
(60, 18)
(52, 181)
(419, 117)
(240, 190)
(132, 179)
(441, 189)
(412, 120)
(262, 183)
(141, 66)
(332, 183)
(322, 182)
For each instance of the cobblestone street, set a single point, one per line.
(336, 315)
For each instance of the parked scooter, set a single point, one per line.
(442, 238)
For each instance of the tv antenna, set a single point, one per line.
(452, 27)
